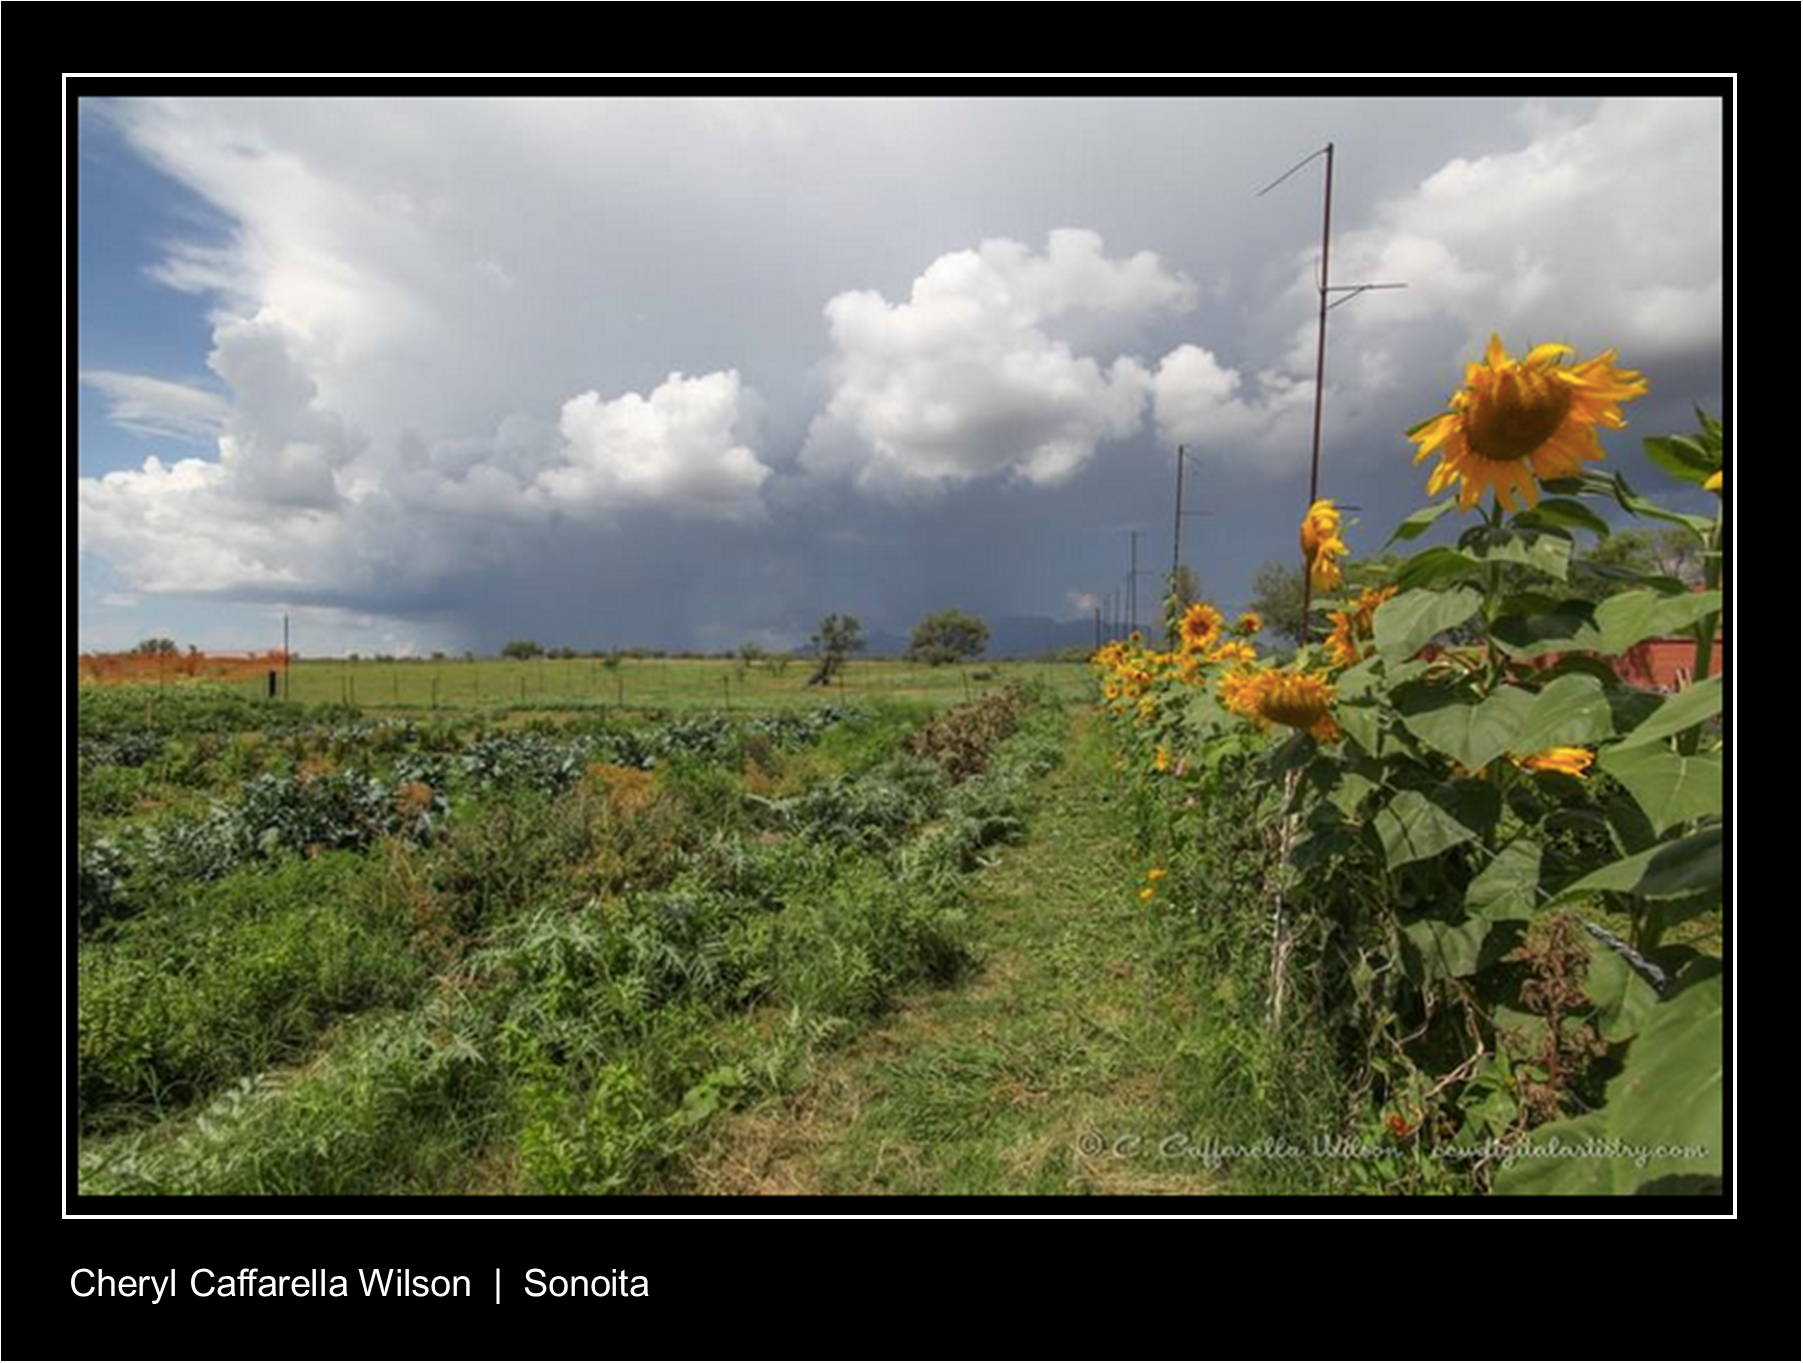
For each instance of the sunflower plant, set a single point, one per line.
(1491, 835)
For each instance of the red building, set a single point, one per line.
(1665, 664)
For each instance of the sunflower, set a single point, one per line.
(1516, 421)
(1161, 759)
(1713, 483)
(1240, 689)
(1352, 628)
(1200, 627)
(1298, 700)
(1568, 761)
(1321, 544)
(1232, 651)
(1248, 624)
(1268, 696)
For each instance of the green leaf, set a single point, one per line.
(1446, 950)
(1670, 787)
(1573, 711)
(1686, 907)
(1583, 665)
(1415, 826)
(1362, 724)
(1564, 513)
(1679, 456)
(1416, 523)
(1349, 792)
(1506, 888)
(1660, 1127)
(1611, 579)
(1685, 710)
(1359, 680)
(1569, 628)
(1316, 848)
(1203, 712)
(1632, 501)
(1529, 603)
(1405, 622)
(1628, 824)
(1548, 554)
(1687, 866)
(1632, 616)
(1438, 564)
(1473, 734)
(1622, 996)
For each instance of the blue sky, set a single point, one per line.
(437, 374)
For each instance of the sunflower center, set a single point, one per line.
(1516, 415)
(1299, 702)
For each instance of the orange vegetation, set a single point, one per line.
(114, 669)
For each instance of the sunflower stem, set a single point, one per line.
(1492, 602)
(1705, 655)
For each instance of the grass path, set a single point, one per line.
(1063, 1037)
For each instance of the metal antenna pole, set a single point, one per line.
(1314, 458)
(1133, 582)
(1176, 540)
(1323, 287)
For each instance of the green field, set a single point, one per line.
(648, 683)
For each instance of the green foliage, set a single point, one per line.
(1425, 877)
(542, 994)
(947, 637)
(234, 980)
(522, 649)
(1659, 1130)
(835, 639)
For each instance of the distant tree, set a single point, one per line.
(946, 637)
(156, 647)
(836, 637)
(522, 648)
(563, 652)
(1277, 597)
(438, 655)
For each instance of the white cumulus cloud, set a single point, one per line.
(1200, 402)
(979, 374)
(1596, 232)
(678, 448)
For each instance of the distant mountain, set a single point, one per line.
(1034, 636)
(1010, 636)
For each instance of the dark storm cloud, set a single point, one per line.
(691, 373)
